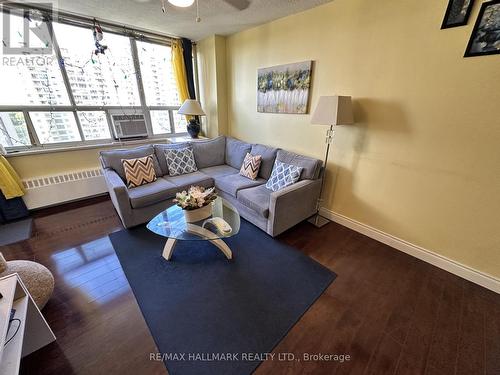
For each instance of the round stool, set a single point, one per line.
(36, 277)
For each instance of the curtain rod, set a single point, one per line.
(84, 21)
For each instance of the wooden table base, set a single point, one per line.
(203, 233)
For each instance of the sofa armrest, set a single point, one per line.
(118, 192)
(292, 205)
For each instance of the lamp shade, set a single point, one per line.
(333, 110)
(191, 107)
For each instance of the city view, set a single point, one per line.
(102, 80)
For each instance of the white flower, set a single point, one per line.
(195, 197)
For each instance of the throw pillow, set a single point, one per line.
(139, 171)
(283, 175)
(250, 166)
(180, 161)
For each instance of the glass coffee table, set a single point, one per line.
(172, 224)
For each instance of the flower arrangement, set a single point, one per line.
(196, 197)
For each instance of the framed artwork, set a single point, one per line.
(284, 88)
(457, 13)
(485, 38)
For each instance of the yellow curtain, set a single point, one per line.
(10, 183)
(179, 70)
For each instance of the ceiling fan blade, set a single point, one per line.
(238, 4)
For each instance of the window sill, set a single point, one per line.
(180, 138)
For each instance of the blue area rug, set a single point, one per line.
(15, 232)
(200, 306)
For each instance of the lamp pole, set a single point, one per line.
(329, 139)
(318, 220)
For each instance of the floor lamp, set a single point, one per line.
(332, 111)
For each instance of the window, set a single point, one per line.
(180, 123)
(157, 75)
(31, 79)
(55, 127)
(94, 125)
(161, 122)
(66, 97)
(160, 88)
(106, 80)
(13, 129)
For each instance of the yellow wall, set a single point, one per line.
(29, 166)
(211, 55)
(423, 161)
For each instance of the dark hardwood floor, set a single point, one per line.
(392, 313)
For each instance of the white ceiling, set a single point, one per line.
(217, 17)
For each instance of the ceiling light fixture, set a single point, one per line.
(181, 3)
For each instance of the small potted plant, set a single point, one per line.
(196, 203)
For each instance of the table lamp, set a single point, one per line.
(331, 110)
(192, 107)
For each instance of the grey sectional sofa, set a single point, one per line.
(218, 161)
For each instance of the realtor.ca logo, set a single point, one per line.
(26, 31)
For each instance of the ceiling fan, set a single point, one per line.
(238, 4)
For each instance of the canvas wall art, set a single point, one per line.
(457, 13)
(284, 88)
(485, 38)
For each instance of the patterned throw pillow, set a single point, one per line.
(139, 171)
(250, 166)
(283, 175)
(180, 161)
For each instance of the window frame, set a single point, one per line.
(107, 109)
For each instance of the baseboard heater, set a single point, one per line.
(64, 187)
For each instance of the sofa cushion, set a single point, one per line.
(283, 175)
(180, 161)
(256, 198)
(236, 151)
(311, 166)
(184, 181)
(268, 157)
(160, 153)
(219, 171)
(233, 183)
(251, 165)
(152, 193)
(139, 171)
(209, 153)
(113, 159)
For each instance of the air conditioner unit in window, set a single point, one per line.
(128, 124)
